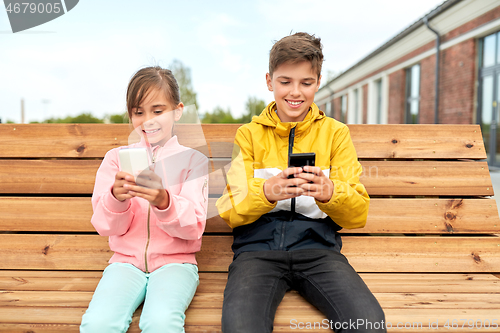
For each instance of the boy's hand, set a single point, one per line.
(280, 187)
(316, 185)
(122, 178)
(148, 185)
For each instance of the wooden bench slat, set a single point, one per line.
(283, 320)
(410, 178)
(422, 216)
(380, 177)
(426, 178)
(389, 254)
(419, 216)
(86, 281)
(213, 299)
(418, 141)
(371, 141)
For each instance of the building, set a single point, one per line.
(396, 83)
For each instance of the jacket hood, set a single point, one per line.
(270, 118)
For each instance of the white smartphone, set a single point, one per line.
(133, 160)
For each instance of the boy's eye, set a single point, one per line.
(284, 82)
(158, 111)
(307, 83)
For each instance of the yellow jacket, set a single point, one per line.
(261, 151)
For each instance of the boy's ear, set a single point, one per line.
(269, 81)
(178, 111)
(319, 83)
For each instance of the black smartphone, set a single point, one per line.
(300, 160)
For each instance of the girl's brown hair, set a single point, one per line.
(149, 78)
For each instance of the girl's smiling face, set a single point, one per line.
(155, 117)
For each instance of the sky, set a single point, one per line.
(82, 61)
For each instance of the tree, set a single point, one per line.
(254, 107)
(219, 116)
(188, 95)
(119, 118)
(84, 118)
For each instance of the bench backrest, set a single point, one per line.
(429, 185)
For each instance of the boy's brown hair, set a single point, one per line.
(296, 48)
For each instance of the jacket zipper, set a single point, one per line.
(147, 243)
(291, 138)
(149, 228)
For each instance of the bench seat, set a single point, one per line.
(430, 251)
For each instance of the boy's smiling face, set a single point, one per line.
(293, 86)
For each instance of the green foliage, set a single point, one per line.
(219, 116)
(84, 118)
(188, 95)
(119, 118)
(254, 107)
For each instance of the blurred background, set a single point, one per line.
(76, 67)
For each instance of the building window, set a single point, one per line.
(491, 51)
(378, 101)
(412, 94)
(343, 108)
(356, 106)
(488, 112)
(328, 109)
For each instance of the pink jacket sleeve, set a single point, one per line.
(111, 217)
(186, 214)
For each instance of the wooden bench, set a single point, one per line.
(430, 251)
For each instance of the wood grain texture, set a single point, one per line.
(86, 281)
(446, 267)
(291, 311)
(373, 254)
(418, 141)
(412, 215)
(404, 178)
(207, 300)
(409, 178)
(389, 254)
(388, 215)
(371, 141)
(58, 307)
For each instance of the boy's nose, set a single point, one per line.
(295, 91)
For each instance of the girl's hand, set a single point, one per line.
(280, 187)
(316, 184)
(149, 186)
(122, 178)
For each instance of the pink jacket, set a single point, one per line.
(144, 236)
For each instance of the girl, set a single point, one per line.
(154, 222)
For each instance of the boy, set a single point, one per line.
(285, 230)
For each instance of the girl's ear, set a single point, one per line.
(178, 111)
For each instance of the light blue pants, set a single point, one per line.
(166, 293)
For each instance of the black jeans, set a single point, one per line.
(258, 281)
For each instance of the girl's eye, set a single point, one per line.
(307, 84)
(158, 111)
